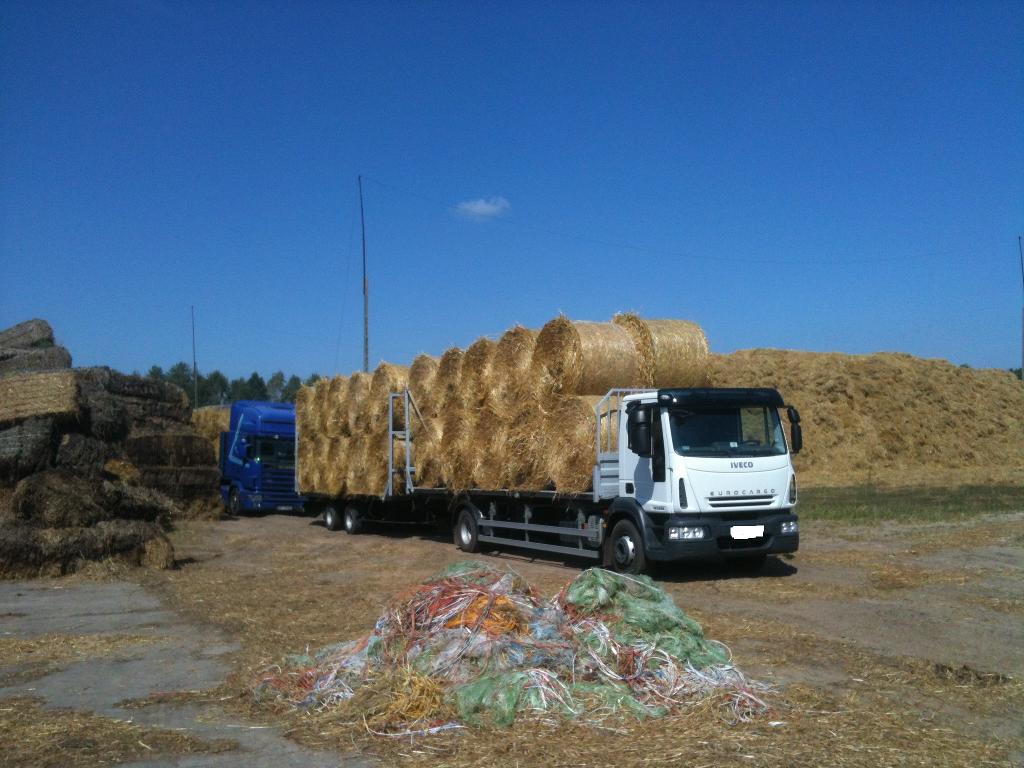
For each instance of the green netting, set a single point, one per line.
(606, 645)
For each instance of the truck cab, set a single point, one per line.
(697, 474)
(257, 458)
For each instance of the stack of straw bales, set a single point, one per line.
(516, 413)
(210, 421)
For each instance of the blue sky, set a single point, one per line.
(824, 176)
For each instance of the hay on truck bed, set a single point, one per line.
(584, 358)
(477, 645)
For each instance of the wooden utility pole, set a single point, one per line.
(195, 369)
(366, 285)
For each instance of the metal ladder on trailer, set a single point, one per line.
(606, 443)
(408, 469)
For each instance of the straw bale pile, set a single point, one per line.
(88, 460)
(513, 414)
(891, 418)
(210, 421)
(29, 347)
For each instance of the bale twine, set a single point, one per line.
(358, 392)
(335, 407)
(673, 353)
(569, 443)
(584, 358)
(421, 382)
(524, 449)
(475, 376)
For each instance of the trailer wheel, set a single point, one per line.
(353, 521)
(332, 520)
(467, 536)
(627, 548)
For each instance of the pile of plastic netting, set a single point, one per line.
(477, 644)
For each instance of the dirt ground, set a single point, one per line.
(894, 644)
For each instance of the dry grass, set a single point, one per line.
(882, 711)
(39, 737)
(55, 648)
(210, 422)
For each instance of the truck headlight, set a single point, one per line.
(789, 527)
(686, 533)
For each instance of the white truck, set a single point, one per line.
(679, 475)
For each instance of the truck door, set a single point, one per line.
(647, 478)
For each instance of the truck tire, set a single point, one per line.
(332, 520)
(234, 505)
(467, 534)
(626, 548)
(352, 520)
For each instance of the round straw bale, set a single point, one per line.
(387, 378)
(510, 368)
(583, 358)
(305, 412)
(334, 409)
(334, 469)
(569, 429)
(427, 457)
(358, 391)
(475, 377)
(486, 446)
(446, 382)
(421, 382)
(454, 433)
(673, 353)
(524, 449)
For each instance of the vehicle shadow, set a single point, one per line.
(775, 566)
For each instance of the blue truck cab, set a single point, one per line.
(257, 458)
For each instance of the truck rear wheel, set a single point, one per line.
(467, 535)
(353, 520)
(627, 548)
(332, 520)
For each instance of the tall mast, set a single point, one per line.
(366, 285)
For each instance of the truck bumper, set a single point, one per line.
(718, 544)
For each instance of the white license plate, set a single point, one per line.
(746, 531)
(283, 508)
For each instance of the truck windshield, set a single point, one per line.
(727, 431)
(277, 452)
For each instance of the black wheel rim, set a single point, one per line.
(624, 551)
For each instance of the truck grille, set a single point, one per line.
(278, 484)
(728, 502)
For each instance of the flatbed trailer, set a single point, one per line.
(653, 499)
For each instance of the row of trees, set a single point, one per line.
(217, 389)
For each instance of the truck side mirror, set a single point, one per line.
(793, 414)
(796, 436)
(639, 426)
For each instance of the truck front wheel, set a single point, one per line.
(627, 548)
(234, 503)
(467, 537)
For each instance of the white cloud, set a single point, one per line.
(481, 208)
